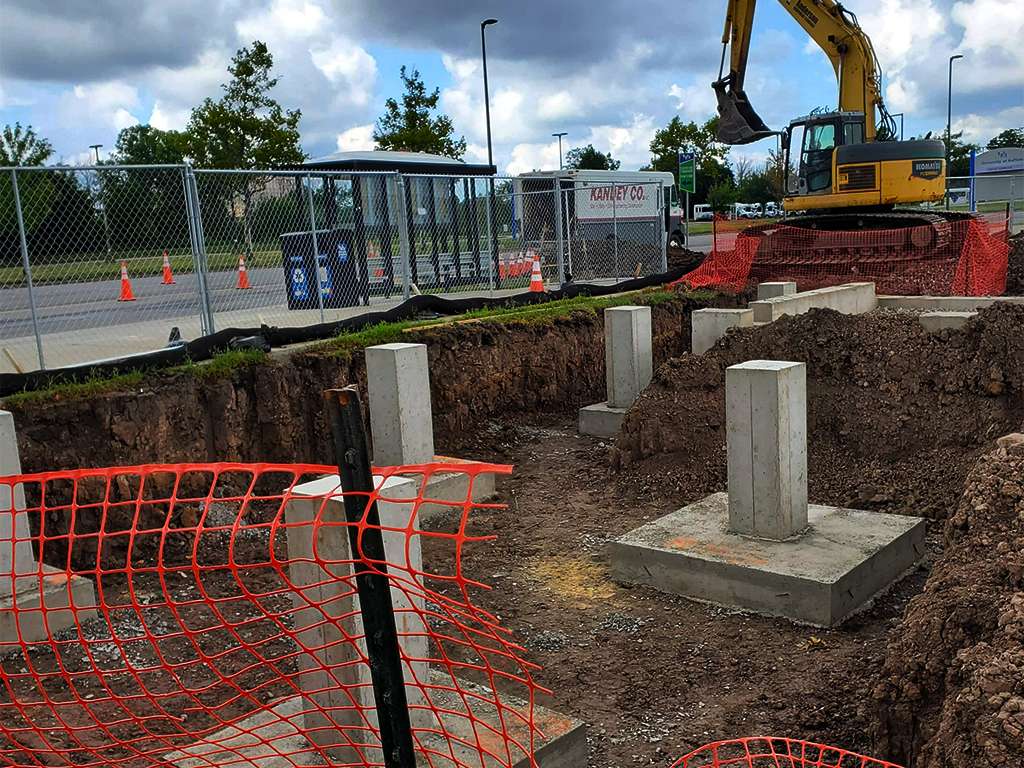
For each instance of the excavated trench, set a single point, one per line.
(899, 421)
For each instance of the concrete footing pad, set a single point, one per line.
(41, 608)
(274, 739)
(820, 577)
(601, 420)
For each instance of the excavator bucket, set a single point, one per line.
(738, 123)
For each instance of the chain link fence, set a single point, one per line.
(99, 262)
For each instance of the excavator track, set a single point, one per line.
(857, 245)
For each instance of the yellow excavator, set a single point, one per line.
(844, 168)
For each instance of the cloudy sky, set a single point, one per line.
(609, 72)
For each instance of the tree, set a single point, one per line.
(409, 126)
(246, 128)
(700, 140)
(960, 156)
(589, 159)
(146, 145)
(1011, 137)
(21, 146)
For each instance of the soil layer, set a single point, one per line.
(896, 415)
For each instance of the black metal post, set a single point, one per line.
(411, 224)
(359, 227)
(435, 255)
(453, 208)
(474, 224)
(386, 234)
(370, 563)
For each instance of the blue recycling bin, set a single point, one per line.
(333, 270)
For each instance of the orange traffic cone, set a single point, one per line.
(168, 275)
(536, 280)
(243, 275)
(126, 285)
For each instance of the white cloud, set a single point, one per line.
(695, 101)
(167, 118)
(101, 107)
(356, 139)
(532, 157)
(979, 129)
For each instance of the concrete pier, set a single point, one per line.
(761, 547)
(766, 436)
(36, 601)
(629, 366)
(707, 326)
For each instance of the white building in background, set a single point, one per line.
(999, 175)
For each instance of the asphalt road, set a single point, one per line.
(74, 306)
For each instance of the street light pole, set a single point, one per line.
(103, 208)
(487, 97)
(949, 120)
(560, 135)
(491, 203)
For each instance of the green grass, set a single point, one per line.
(220, 366)
(77, 390)
(139, 265)
(347, 344)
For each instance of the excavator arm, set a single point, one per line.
(837, 32)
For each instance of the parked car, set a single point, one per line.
(772, 210)
(703, 212)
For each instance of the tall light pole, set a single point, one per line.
(949, 110)
(949, 120)
(103, 208)
(560, 134)
(491, 224)
(487, 97)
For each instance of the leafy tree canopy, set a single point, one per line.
(22, 146)
(590, 159)
(1011, 137)
(410, 126)
(247, 127)
(146, 145)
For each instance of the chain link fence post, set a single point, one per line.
(23, 243)
(405, 245)
(662, 228)
(196, 236)
(317, 267)
(615, 231)
(559, 238)
(493, 233)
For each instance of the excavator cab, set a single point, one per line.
(817, 138)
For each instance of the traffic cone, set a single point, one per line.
(536, 280)
(168, 275)
(126, 285)
(243, 275)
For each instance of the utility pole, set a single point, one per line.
(560, 135)
(103, 207)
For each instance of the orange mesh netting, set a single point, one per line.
(227, 624)
(967, 258)
(774, 752)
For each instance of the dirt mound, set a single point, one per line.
(896, 415)
(684, 258)
(1015, 266)
(952, 690)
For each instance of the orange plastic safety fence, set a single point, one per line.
(775, 752)
(968, 257)
(226, 628)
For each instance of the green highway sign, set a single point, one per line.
(687, 172)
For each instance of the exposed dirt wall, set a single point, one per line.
(273, 412)
(952, 689)
(896, 416)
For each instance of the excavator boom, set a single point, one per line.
(837, 33)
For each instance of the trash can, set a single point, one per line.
(334, 269)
